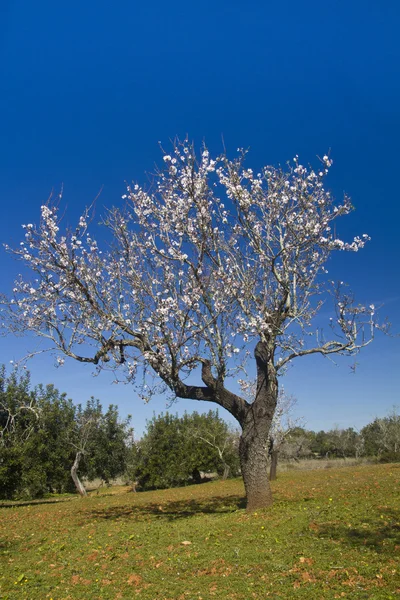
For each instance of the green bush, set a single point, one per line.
(175, 449)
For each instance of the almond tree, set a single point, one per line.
(210, 265)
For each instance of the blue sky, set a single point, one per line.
(87, 89)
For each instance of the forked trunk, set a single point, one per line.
(74, 473)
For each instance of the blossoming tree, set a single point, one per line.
(212, 265)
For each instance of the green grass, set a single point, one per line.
(331, 533)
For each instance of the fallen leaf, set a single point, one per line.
(134, 579)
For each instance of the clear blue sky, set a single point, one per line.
(87, 89)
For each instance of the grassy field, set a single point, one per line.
(332, 533)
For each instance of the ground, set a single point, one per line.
(332, 533)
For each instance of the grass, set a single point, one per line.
(330, 534)
(310, 464)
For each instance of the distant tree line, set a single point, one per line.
(379, 439)
(48, 444)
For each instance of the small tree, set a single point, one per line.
(297, 444)
(46, 452)
(164, 462)
(18, 406)
(282, 426)
(81, 436)
(213, 263)
(344, 442)
(100, 443)
(322, 444)
(212, 432)
(133, 460)
(34, 454)
(18, 414)
(175, 449)
(110, 446)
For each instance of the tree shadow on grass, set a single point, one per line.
(18, 503)
(171, 510)
(381, 534)
(7, 546)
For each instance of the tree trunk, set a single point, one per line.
(253, 447)
(74, 473)
(226, 472)
(253, 452)
(274, 465)
(255, 418)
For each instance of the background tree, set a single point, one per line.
(34, 456)
(322, 444)
(338, 443)
(110, 446)
(133, 459)
(43, 435)
(212, 431)
(17, 405)
(99, 442)
(297, 444)
(282, 425)
(163, 460)
(382, 437)
(175, 449)
(16, 424)
(213, 263)
(343, 442)
(47, 455)
(82, 438)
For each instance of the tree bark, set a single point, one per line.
(253, 447)
(226, 472)
(274, 465)
(74, 473)
(253, 454)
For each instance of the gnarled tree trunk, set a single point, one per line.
(253, 447)
(74, 473)
(254, 465)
